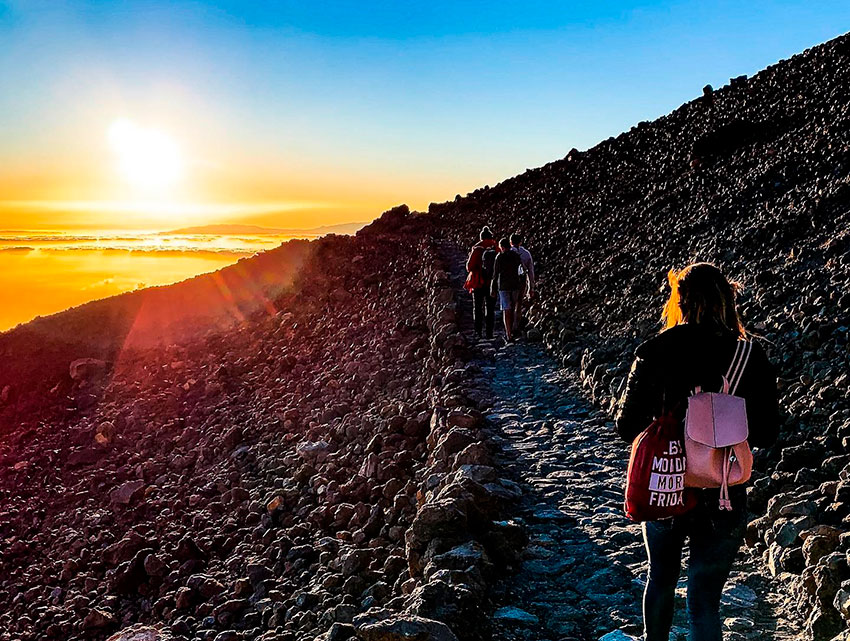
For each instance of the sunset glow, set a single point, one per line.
(46, 281)
(148, 159)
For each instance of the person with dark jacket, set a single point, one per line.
(695, 349)
(507, 283)
(479, 267)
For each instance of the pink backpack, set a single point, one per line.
(716, 431)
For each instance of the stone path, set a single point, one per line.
(576, 581)
(584, 569)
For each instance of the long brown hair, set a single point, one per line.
(701, 294)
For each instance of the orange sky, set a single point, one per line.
(67, 173)
(80, 185)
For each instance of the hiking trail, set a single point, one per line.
(584, 569)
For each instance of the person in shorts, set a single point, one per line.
(526, 292)
(507, 284)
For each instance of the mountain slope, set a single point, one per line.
(36, 356)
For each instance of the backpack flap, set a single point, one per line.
(716, 434)
(730, 420)
(716, 420)
(699, 419)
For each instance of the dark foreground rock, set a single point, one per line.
(402, 628)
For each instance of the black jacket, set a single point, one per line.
(506, 272)
(668, 366)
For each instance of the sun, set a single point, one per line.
(147, 159)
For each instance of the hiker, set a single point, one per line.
(699, 341)
(507, 284)
(480, 267)
(527, 271)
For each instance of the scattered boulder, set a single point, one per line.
(86, 369)
(140, 632)
(402, 628)
(128, 492)
(98, 619)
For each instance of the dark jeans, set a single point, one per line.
(714, 538)
(483, 310)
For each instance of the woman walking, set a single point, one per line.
(479, 266)
(702, 328)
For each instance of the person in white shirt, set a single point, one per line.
(527, 292)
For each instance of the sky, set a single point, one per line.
(297, 114)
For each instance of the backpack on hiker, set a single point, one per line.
(714, 452)
(716, 432)
(480, 265)
(655, 481)
(488, 263)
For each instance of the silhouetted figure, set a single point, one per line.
(702, 328)
(479, 266)
(526, 293)
(507, 284)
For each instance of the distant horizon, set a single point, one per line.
(129, 216)
(165, 229)
(47, 272)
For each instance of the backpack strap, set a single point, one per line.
(728, 376)
(742, 360)
(734, 360)
(725, 503)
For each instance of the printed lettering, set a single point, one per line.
(666, 482)
(666, 499)
(668, 465)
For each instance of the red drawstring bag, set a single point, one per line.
(655, 484)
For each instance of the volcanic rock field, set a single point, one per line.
(312, 444)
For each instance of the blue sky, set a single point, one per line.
(362, 104)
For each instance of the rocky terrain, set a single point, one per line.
(310, 444)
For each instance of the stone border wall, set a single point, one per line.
(457, 542)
